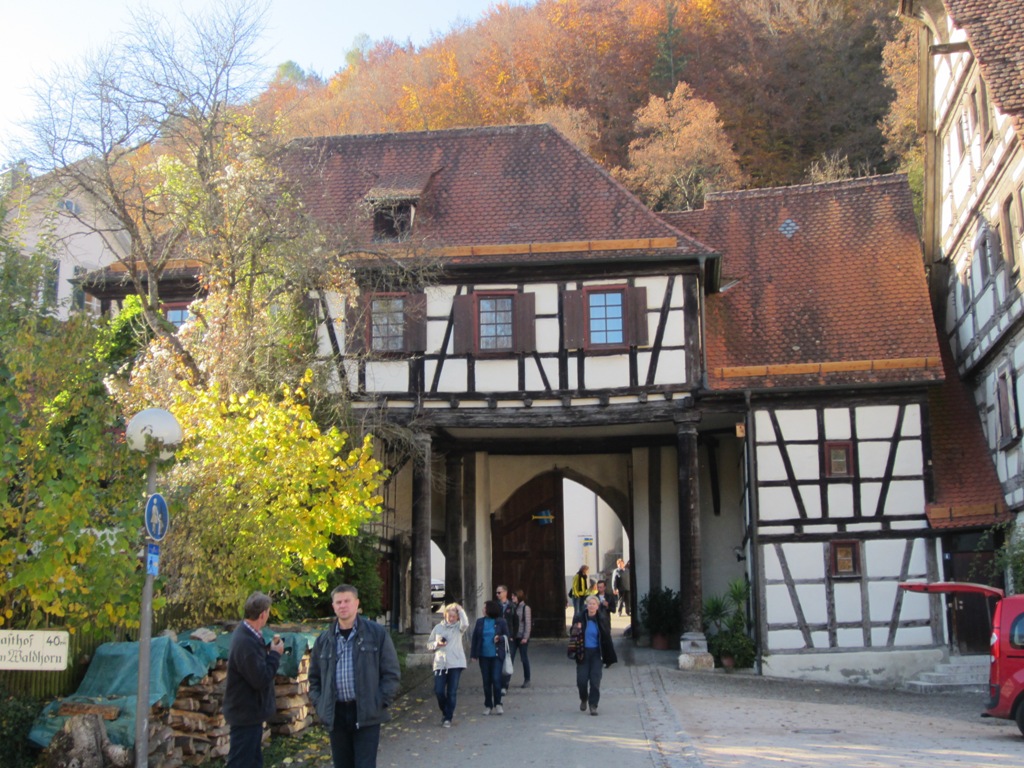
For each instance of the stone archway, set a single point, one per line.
(527, 548)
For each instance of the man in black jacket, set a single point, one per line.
(353, 678)
(249, 695)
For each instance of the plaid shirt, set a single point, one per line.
(344, 673)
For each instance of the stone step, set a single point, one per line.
(919, 686)
(961, 674)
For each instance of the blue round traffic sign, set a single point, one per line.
(158, 519)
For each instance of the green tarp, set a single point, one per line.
(112, 678)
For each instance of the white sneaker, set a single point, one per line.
(446, 724)
(486, 711)
(504, 691)
(499, 710)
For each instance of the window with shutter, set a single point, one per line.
(494, 323)
(605, 318)
(387, 324)
(1006, 403)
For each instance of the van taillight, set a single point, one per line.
(996, 620)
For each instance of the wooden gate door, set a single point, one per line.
(970, 615)
(526, 540)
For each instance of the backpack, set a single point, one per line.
(512, 619)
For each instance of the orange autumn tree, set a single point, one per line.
(681, 154)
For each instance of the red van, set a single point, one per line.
(1006, 653)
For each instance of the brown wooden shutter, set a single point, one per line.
(464, 336)
(524, 314)
(636, 324)
(415, 322)
(357, 319)
(573, 319)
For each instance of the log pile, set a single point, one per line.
(195, 725)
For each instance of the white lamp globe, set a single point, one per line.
(152, 429)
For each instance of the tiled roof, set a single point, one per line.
(476, 187)
(995, 30)
(822, 284)
(967, 492)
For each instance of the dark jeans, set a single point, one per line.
(623, 602)
(353, 747)
(590, 671)
(245, 750)
(446, 688)
(524, 658)
(490, 671)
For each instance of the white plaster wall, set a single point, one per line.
(805, 460)
(453, 374)
(500, 375)
(847, 606)
(534, 380)
(776, 503)
(769, 463)
(909, 458)
(671, 366)
(641, 522)
(812, 501)
(905, 497)
(797, 424)
(675, 334)
(876, 421)
(546, 301)
(840, 501)
(387, 376)
(874, 667)
(547, 334)
(837, 424)
(606, 372)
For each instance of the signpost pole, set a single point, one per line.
(145, 636)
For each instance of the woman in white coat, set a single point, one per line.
(449, 659)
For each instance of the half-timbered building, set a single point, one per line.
(755, 389)
(971, 114)
(751, 377)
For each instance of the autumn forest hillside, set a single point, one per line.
(676, 97)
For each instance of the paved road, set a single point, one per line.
(654, 716)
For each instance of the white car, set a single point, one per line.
(436, 594)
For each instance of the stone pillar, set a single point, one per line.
(693, 645)
(453, 552)
(422, 620)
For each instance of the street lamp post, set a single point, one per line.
(156, 433)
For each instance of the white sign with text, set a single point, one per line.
(44, 649)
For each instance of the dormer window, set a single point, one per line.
(392, 221)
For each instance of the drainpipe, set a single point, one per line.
(752, 515)
(703, 328)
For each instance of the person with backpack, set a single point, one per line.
(521, 633)
(508, 613)
(579, 590)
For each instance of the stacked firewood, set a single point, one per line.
(294, 711)
(196, 720)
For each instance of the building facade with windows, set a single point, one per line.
(971, 113)
(736, 383)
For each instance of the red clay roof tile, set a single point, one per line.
(825, 274)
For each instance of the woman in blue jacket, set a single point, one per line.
(488, 646)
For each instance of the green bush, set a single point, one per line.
(725, 624)
(661, 612)
(17, 714)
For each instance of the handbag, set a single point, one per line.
(507, 667)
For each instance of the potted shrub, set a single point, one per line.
(725, 624)
(661, 616)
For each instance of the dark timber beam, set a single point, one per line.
(422, 483)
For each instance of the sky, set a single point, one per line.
(313, 33)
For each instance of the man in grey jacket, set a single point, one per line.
(353, 677)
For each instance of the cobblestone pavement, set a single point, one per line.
(654, 716)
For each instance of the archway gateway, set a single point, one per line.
(528, 550)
